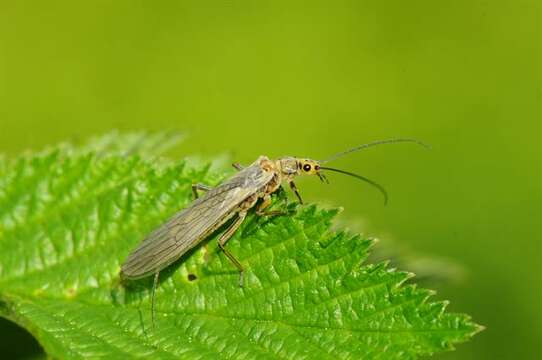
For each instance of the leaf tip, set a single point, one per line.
(477, 328)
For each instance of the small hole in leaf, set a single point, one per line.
(192, 277)
(70, 292)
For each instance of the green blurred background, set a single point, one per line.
(311, 78)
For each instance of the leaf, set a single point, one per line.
(139, 142)
(69, 219)
(429, 270)
(131, 143)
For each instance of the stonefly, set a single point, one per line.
(232, 198)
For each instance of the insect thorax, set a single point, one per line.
(273, 167)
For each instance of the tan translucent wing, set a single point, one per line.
(191, 225)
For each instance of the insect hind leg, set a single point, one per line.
(224, 239)
(153, 296)
(201, 187)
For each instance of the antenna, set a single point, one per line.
(374, 143)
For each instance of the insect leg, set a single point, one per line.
(225, 237)
(294, 189)
(237, 166)
(260, 211)
(196, 187)
(154, 284)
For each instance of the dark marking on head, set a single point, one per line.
(192, 277)
(316, 167)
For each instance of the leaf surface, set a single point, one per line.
(69, 219)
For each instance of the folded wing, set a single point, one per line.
(191, 225)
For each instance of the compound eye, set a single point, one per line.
(307, 167)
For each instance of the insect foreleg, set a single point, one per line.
(225, 237)
(196, 187)
(294, 189)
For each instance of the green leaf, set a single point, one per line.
(125, 144)
(69, 219)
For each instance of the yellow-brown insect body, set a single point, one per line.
(235, 196)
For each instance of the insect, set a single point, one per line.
(250, 187)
